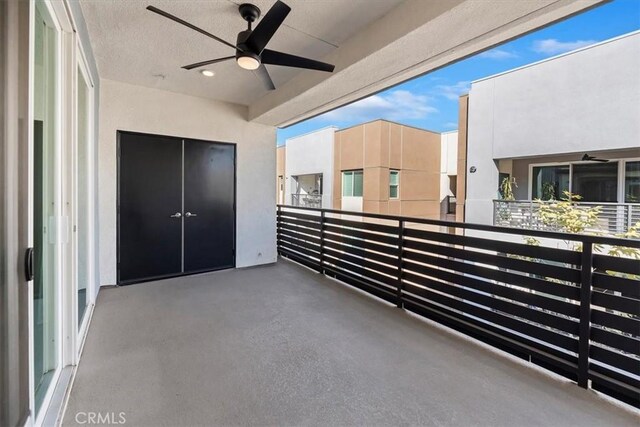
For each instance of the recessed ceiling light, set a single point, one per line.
(208, 73)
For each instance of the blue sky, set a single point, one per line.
(431, 101)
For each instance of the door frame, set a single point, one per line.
(120, 132)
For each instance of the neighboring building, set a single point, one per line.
(541, 123)
(309, 168)
(376, 167)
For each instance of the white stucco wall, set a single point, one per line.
(311, 153)
(448, 161)
(583, 101)
(135, 108)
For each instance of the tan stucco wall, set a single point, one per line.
(461, 194)
(379, 146)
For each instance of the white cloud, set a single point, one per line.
(453, 91)
(498, 54)
(451, 125)
(396, 105)
(554, 46)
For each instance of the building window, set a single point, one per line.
(352, 183)
(632, 182)
(549, 182)
(595, 182)
(394, 184)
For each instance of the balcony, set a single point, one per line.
(613, 218)
(306, 200)
(283, 345)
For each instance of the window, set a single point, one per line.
(595, 182)
(632, 182)
(352, 183)
(550, 182)
(394, 184)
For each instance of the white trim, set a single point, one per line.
(51, 12)
(397, 172)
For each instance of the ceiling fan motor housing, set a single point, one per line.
(249, 12)
(240, 42)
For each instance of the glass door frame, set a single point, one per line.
(71, 60)
(54, 21)
(81, 71)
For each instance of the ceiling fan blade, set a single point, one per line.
(267, 27)
(279, 58)
(186, 24)
(203, 63)
(263, 74)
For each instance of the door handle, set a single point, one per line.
(189, 214)
(176, 215)
(28, 265)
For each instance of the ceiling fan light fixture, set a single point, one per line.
(207, 73)
(248, 62)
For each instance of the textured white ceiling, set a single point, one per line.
(136, 46)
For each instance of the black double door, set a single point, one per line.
(176, 206)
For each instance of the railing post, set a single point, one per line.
(278, 210)
(400, 260)
(585, 314)
(321, 266)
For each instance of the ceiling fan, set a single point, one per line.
(588, 158)
(250, 44)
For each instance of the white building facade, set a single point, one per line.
(309, 169)
(568, 123)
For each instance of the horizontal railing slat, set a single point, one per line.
(363, 284)
(300, 236)
(302, 259)
(361, 252)
(535, 283)
(382, 228)
(380, 238)
(613, 358)
(298, 215)
(622, 265)
(520, 295)
(551, 254)
(308, 245)
(615, 302)
(539, 268)
(620, 323)
(302, 250)
(363, 262)
(297, 229)
(508, 322)
(627, 287)
(364, 244)
(506, 307)
(513, 339)
(360, 270)
(616, 340)
(309, 224)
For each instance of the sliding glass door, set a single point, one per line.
(46, 149)
(82, 187)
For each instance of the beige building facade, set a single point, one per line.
(376, 167)
(400, 168)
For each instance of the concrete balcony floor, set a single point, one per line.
(281, 345)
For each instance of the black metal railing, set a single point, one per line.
(560, 301)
